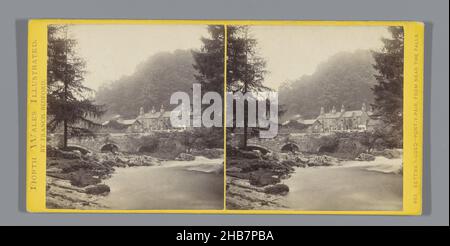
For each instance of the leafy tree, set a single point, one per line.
(245, 68)
(68, 100)
(389, 89)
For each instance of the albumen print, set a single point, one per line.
(226, 117)
(111, 143)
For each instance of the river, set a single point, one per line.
(353, 186)
(174, 185)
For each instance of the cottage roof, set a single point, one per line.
(330, 115)
(116, 122)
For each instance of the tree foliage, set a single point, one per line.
(345, 78)
(245, 68)
(151, 85)
(389, 88)
(209, 60)
(209, 64)
(69, 102)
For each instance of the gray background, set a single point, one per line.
(13, 27)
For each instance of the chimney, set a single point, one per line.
(153, 109)
(322, 111)
(141, 111)
(161, 109)
(333, 111)
(342, 108)
(363, 108)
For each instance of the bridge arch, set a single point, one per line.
(290, 147)
(109, 147)
(148, 148)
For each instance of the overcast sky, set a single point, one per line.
(293, 51)
(112, 51)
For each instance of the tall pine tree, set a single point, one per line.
(209, 63)
(68, 100)
(389, 90)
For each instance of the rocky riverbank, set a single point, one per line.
(255, 181)
(75, 180)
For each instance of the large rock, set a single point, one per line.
(278, 189)
(263, 178)
(290, 163)
(322, 160)
(100, 189)
(82, 178)
(301, 159)
(249, 165)
(110, 163)
(249, 154)
(365, 157)
(55, 152)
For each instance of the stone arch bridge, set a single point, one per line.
(303, 142)
(155, 142)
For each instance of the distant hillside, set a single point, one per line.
(151, 84)
(345, 78)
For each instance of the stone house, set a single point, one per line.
(151, 121)
(344, 120)
(144, 122)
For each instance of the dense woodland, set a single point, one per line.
(345, 78)
(150, 85)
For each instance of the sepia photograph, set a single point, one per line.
(337, 133)
(113, 95)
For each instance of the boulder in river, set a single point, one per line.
(365, 157)
(277, 189)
